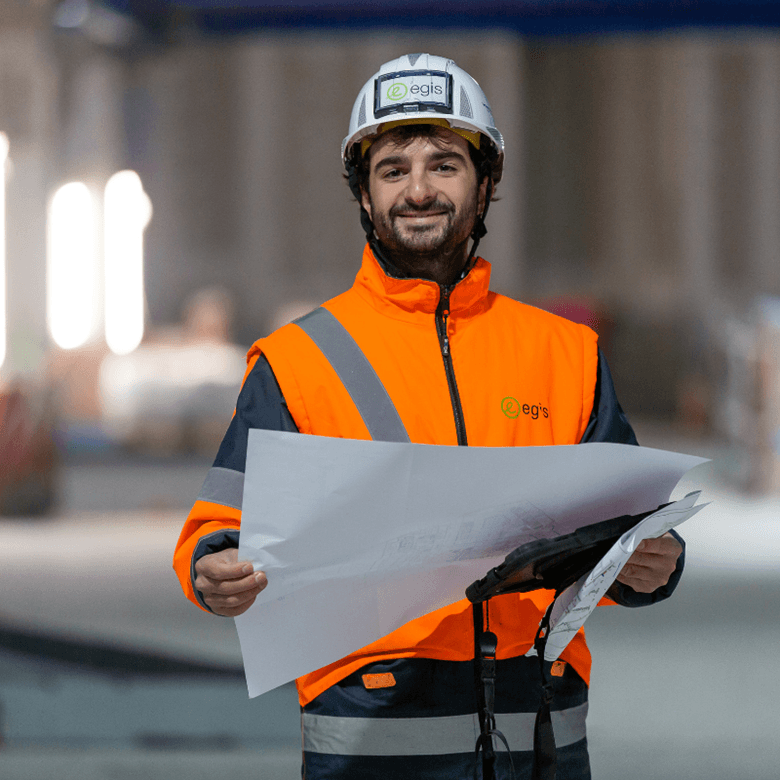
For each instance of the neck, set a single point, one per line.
(446, 269)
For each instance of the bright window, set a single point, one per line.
(71, 281)
(127, 211)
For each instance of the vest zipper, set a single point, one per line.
(441, 317)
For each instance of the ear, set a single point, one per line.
(482, 196)
(365, 202)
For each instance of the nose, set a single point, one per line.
(420, 189)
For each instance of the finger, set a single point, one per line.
(638, 582)
(662, 545)
(647, 578)
(639, 586)
(217, 566)
(657, 566)
(221, 603)
(224, 605)
(654, 560)
(234, 611)
(634, 571)
(230, 587)
(641, 559)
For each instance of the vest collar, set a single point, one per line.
(410, 297)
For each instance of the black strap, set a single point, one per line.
(485, 647)
(545, 759)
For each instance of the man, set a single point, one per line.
(423, 158)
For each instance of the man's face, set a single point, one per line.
(423, 199)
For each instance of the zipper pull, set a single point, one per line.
(446, 347)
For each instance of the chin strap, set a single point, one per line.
(379, 254)
(354, 187)
(480, 231)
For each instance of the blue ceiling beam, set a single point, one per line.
(528, 17)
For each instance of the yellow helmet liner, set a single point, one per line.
(471, 136)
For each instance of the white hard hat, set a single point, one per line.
(419, 87)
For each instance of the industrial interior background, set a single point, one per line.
(641, 195)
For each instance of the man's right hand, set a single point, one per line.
(229, 586)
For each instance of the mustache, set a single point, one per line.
(429, 208)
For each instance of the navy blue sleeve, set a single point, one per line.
(260, 405)
(608, 423)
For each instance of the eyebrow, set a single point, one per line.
(398, 159)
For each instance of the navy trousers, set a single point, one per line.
(416, 718)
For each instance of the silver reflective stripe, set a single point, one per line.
(430, 736)
(390, 736)
(356, 373)
(223, 486)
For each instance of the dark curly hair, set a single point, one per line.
(482, 158)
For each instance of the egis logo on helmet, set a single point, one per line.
(399, 90)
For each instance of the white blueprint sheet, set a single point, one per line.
(359, 537)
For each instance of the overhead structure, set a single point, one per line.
(164, 20)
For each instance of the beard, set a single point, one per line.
(430, 248)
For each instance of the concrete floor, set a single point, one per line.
(688, 688)
(97, 764)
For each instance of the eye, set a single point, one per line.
(391, 173)
(447, 167)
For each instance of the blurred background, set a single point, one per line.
(172, 191)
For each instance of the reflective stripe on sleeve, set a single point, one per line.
(223, 486)
(356, 374)
(430, 736)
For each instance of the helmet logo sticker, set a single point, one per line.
(397, 91)
(413, 92)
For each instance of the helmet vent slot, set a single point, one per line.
(465, 104)
(362, 113)
(413, 58)
(497, 137)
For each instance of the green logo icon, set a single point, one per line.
(510, 407)
(397, 91)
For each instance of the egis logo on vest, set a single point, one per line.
(512, 408)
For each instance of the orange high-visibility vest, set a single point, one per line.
(524, 377)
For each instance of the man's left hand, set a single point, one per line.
(652, 564)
